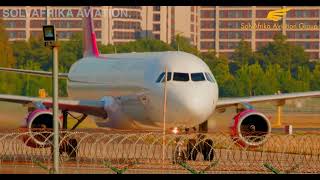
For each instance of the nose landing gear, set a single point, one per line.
(200, 144)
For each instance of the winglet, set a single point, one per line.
(90, 47)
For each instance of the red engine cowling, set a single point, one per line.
(250, 128)
(38, 128)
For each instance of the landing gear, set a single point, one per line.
(201, 145)
(179, 155)
(70, 148)
(70, 145)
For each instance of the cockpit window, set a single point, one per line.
(209, 77)
(197, 77)
(180, 76)
(161, 77)
(169, 76)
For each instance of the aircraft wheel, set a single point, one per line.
(207, 150)
(72, 148)
(192, 150)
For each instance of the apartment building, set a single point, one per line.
(223, 27)
(218, 28)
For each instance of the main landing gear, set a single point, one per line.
(69, 145)
(195, 145)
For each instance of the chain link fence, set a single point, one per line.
(149, 152)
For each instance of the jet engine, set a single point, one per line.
(250, 128)
(38, 128)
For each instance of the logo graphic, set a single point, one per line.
(276, 15)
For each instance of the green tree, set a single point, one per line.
(304, 76)
(271, 74)
(243, 54)
(7, 58)
(181, 43)
(281, 52)
(70, 51)
(315, 80)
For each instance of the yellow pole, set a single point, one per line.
(279, 117)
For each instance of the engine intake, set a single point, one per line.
(250, 128)
(39, 124)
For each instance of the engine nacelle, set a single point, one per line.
(39, 125)
(250, 128)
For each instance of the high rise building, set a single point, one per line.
(218, 28)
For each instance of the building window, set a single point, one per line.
(130, 15)
(303, 13)
(228, 45)
(156, 8)
(16, 34)
(207, 24)
(65, 34)
(156, 27)
(235, 34)
(207, 14)
(303, 35)
(303, 23)
(68, 23)
(262, 13)
(98, 34)
(207, 35)
(232, 24)
(126, 25)
(266, 34)
(125, 35)
(307, 45)
(37, 23)
(235, 13)
(207, 45)
(156, 17)
(157, 36)
(15, 24)
(192, 27)
(36, 34)
(313, 55)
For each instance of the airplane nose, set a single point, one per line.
(195, 106)
(199, 106)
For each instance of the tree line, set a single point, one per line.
(277, 66)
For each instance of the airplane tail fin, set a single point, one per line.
(90, 47)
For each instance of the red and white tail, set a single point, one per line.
(90, 47)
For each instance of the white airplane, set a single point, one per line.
(127, 90)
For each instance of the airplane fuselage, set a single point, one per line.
(134, 82)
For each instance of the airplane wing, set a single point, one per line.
(223, 103)
(89, 107)
(32, 72)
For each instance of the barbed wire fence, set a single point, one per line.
(141, 152)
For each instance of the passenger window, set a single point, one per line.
(197, 77)
(169, 76)
(181, 77)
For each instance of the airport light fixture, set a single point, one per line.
(49, 37)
